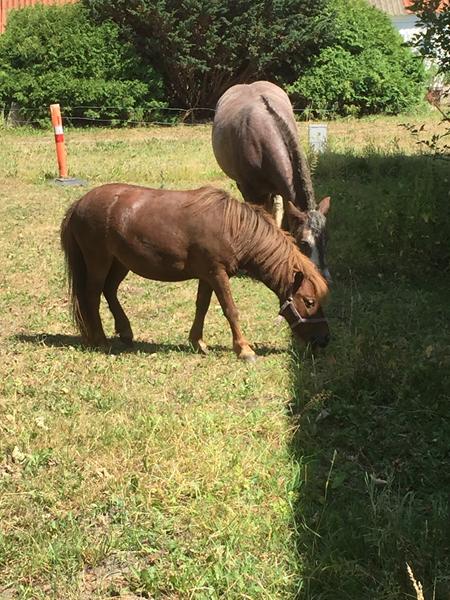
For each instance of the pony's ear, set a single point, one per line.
(296, 217)
(324, 205)
(298, 278)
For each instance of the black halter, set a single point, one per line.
(293, 317)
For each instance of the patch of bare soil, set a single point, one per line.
(110, 579)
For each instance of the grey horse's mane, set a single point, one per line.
(303, 189)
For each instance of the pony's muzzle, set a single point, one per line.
(320, 341)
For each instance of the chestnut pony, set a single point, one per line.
(168, 235)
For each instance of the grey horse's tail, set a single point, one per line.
(302, 175)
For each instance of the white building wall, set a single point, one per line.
(407, 26)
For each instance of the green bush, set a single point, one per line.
(202, 48)
(365, 69)
(56, 54)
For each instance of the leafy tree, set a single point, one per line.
(363, 68)
(201, 47)
(434, 41)
(54, 54)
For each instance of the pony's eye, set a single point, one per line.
(309, 302)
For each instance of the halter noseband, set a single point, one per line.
(293, 317)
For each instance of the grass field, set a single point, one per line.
(158, 473)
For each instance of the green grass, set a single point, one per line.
(159, 473)
(372, 446)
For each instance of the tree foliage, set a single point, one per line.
(434, 40)
(363, 68)
(201, 47)
(54, 54)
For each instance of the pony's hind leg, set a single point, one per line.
(204, 293)
(116, 275)
(97, 268)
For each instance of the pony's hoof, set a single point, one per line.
(200, 347)
(126, 341)
(250, 358)
(100, 345)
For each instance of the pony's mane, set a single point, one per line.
(302, 187)
(253, 234)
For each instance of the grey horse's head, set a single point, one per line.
(309, 231)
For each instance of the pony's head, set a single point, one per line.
(309, 232)
(302, 309)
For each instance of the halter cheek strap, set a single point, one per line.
(293, 317)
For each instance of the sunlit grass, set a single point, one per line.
(155, 471)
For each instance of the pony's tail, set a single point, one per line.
(75, 270)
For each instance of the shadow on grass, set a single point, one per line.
(373, 449)
(387, 212)
(117, 347)
(372, 445)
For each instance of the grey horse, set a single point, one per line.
(255, 142)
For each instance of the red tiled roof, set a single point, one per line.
(392, 7)
(396, 8)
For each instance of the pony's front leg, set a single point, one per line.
(221, 285)
(204, 293)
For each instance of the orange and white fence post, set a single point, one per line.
(61, 154)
